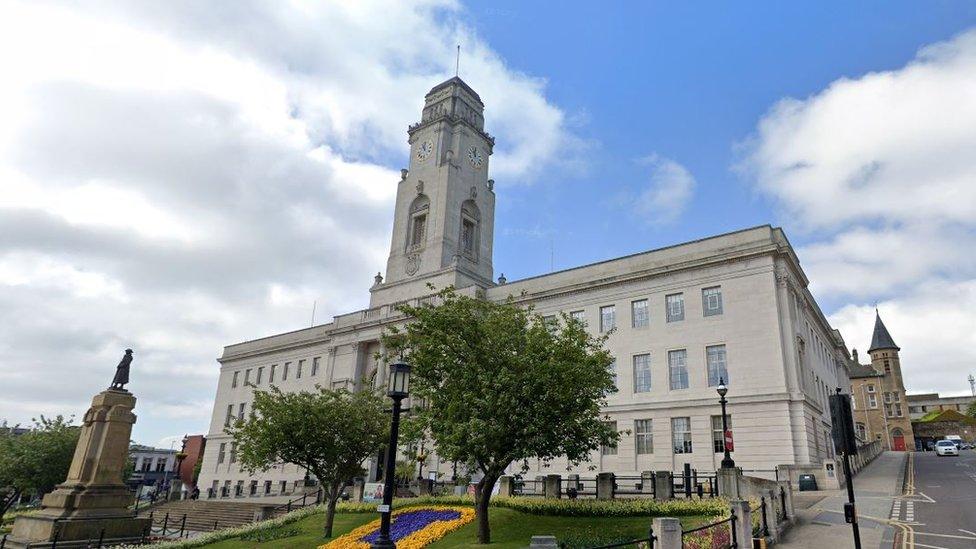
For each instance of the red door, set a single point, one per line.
(899, 443)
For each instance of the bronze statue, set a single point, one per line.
(122, 371)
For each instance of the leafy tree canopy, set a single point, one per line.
(329, 433)
(494, 384)
(36, 461)
(971, 411)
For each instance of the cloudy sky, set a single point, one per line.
(179, 176)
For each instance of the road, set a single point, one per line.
(938, 508)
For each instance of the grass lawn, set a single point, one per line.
(509, 529)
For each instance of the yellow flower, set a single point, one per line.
(421, 538)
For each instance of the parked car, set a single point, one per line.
(965, 446)
(946, 448)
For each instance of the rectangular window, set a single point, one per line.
(240, 412)
(467, 236)
(608, 318)
(220, 453)
(284, 371)
(419, 224)
(675, 307)
(233, 381)
(717, 368)
(233, 452)
(260, 376)
(718, 437)
(643, 436)
(712, 301)
(161, 465)
(638, 313)
(272, 373)
(315, 366)
(298, 370)
(578, 315)
(872, 401)
(870, 388)
(283, 484)
(550, 322)
(642, 373)
(898, 412)
(678, 368)
(230, 415)
(609, 450)
(613, 371)
(681, 435)
(887, 397)
(247, 376)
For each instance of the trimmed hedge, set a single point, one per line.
(569, 507)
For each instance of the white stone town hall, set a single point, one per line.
(734, 306)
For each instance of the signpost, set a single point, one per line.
(845, 443)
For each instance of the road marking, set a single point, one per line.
(944, 535)
(967, 531)
(923, 545)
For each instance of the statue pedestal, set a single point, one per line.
(93, 501)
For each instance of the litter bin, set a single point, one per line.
(808, 483)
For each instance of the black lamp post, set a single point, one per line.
(727, 462)
(397, 388)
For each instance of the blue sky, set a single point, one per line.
(688, 81)
(178, 177)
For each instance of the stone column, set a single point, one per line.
(94, 487)
(647, 482)
(506, 486)
(668, 532)
(553, 487)
(662, 485)
(604, 486)
(743, 522)
(358, 489)
(728, 482)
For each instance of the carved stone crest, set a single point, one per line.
(413, 264)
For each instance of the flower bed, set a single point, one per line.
(411, 528)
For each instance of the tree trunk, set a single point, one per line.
(482, 496)
(335, 490)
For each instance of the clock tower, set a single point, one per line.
(445, 206)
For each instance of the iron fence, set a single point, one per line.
(716, 535)
(649, 540)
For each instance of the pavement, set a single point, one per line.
(820, 515)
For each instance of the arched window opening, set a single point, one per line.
(417, 231)
(468, 240)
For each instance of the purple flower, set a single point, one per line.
(409, 522)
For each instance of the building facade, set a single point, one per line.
(154, 467)
(922, 404)
(878, 390)
(733, 307)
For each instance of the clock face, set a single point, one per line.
(474, 156)
(424, 150)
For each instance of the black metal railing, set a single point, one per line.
(633, 485)
(649, 540)
(727, 537)
(100, 541)
(529, 487)
(763, 519)
(299, 502)
(782, 503)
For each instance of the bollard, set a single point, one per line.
(101, 538)
(165, 523)
(701, 491)
(289, 507)
(686, 481)
(318, 497)
(215, 525)
(304, 497)
(182, 525)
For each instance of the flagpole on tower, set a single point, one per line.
(457, 61)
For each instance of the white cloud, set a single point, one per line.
(181, 176)
(670, 189)
(878, 175)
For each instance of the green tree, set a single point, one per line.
(329, 433)
(971, 411)
(36, 461)
(500, 385)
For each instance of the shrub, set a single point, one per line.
(269, 533)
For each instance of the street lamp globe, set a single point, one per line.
(722, 389)
(398, 385)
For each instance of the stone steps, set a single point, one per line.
(201, 516)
